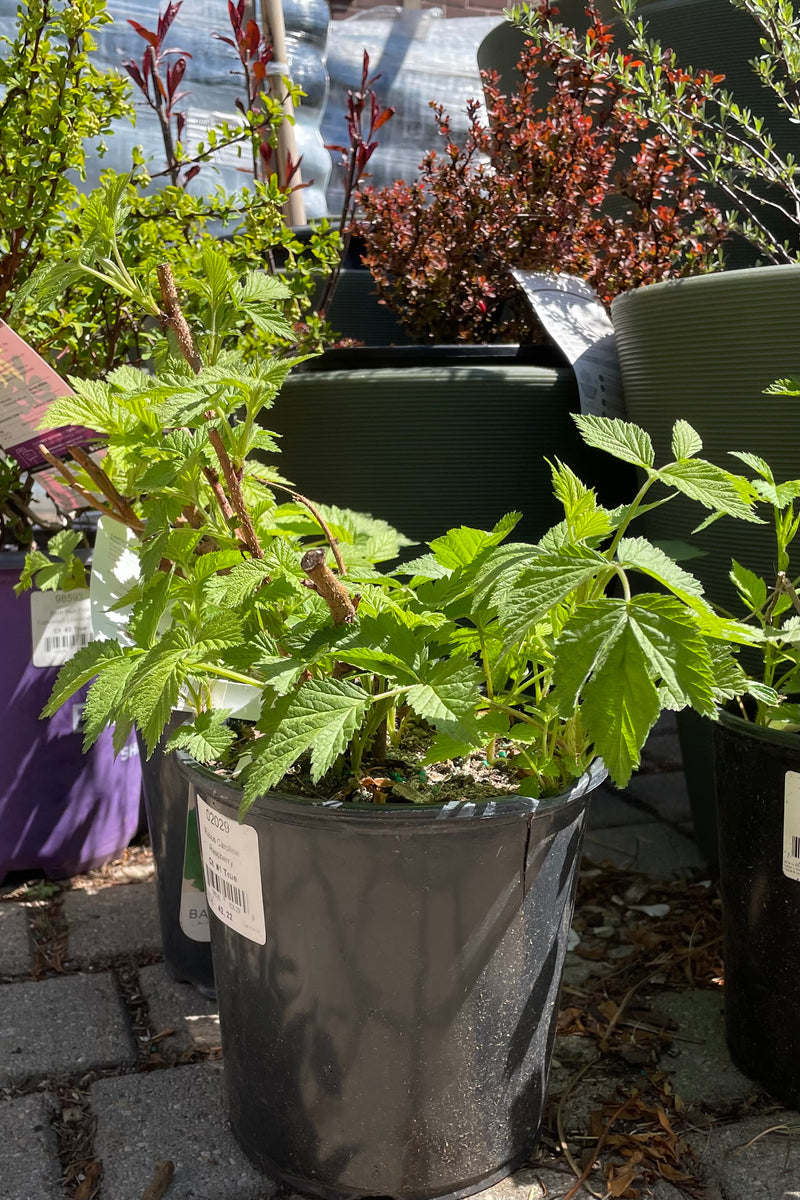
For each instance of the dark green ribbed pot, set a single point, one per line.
(704, 349)
(428, 438)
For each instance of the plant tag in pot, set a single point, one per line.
(194, 910)
(579, 325)
(60, 624)
(791, 826)
(232, 870)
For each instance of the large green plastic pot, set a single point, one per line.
(431, 437)
(704, 349)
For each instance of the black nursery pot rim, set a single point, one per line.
(762, 733)
(460, 354)
(315, 809)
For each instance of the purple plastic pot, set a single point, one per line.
(61, 811)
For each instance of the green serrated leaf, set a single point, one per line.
(623, 439)
(779, 495)
(686, 442)
(583, 644)
(207, 738)
(751, 588)
(149, 608)
(546, 582)
(641, 555)
(321, 717)
(80, 670)
(675, 650)
(621, 705)
(230, 591)
(105, 699)
(154, 687)
(448, 695)
(756, 463)
(711, 486)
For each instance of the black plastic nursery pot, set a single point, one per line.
(758, 805)
(387, 980)
(182, 912)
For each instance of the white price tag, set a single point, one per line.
(232, 871)
(61, 623)
(791, 825)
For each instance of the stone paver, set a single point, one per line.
(113, 922)
(655, 849)
(767, 1168)
(179, 1007)
(179, 1115)
(28, 1160)
(609, 809)
(61, 1026)
(15, 945)
(664, 794)
(701, 1067)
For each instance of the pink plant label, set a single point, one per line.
(27, 386)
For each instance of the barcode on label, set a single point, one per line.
(794, 852)
(65, 641)
(226, 889)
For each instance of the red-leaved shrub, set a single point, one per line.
(564, 177)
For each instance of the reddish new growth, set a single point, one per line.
(162, 91)
(254, 54)
(563, 177)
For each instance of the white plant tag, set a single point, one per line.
(232, 871)
(61, 623)
(569, 310)
(791, 825)
(194, 912)
(115, 569)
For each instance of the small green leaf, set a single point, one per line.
(751, 588)
(207, 738)
(154, 687)
(641, 555)
(585, 640)
(105, 698)
(686, 442)
(623, 439)
(448, 695)
(459, 547)
(230, 591)
(675, 650)
(756, 463)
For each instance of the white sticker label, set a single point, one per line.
(232, 871)
(791, 825)
(61, 623)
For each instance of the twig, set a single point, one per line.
(134, 523)
(160, 1182)
(102, 482)
(332, 591)
(562, 1141)
(174, 319)
(213, 481)
(332, 541)
(601, 1141)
